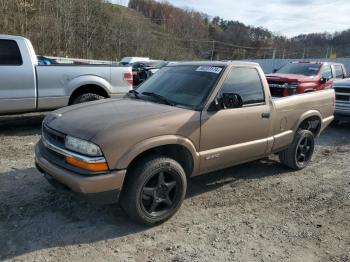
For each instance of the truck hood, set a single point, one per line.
(291, 78)
(86, 120)
(342, 83)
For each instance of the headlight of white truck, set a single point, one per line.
(82, 146)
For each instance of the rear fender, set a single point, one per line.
(88, 80)
(306, 115)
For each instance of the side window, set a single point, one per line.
(9, 53)
(327, 72)
(245, 82)
(338, 71)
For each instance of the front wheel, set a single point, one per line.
(154, 190)
(298, 155)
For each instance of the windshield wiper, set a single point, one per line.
(135, 93)
(159, 98)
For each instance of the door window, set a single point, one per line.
(245, 82)
(9, 53)
(327, 72)
(338, 71)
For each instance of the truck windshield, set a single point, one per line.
(185, 86)
(300, 69)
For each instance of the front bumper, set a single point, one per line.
(103, 188)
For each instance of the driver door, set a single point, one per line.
(232, 136)
(327, 75)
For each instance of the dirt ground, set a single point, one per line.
(255, 212)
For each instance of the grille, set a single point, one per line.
(51, 155)
(53, 137)
(342, 90)
(276, 82)
(276, 88)
(342, 97)
(276, 92)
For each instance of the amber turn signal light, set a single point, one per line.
(94, 167)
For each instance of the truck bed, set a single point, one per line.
(290, 109)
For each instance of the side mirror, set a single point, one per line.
(323, 80)
(226, 101)
(216, 105)
(274, 70)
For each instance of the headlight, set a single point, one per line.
(82, 146)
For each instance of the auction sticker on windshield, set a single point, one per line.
(210, 69)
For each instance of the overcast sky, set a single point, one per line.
(285, 17)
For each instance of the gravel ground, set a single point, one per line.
(254, 212)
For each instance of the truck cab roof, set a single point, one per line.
(316, 62)
(12, 37)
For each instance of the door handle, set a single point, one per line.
(265, 115)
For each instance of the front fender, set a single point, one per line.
(79, 81)
(154, 142)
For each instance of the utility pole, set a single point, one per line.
(331, 53)
(212, 50)
(274, 54)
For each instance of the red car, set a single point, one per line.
(301, 77)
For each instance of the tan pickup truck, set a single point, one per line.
(189, 119)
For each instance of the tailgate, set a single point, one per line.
(121, 79)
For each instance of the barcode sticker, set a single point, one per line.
(210, 69)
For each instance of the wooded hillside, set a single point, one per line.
(96, 29)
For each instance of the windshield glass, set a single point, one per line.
(186, 86)
(300, 69)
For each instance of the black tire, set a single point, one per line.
(298, 155)
(148, 200)
(86, 98)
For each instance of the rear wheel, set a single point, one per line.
(154, 190)
(298, 155)
(86, 98)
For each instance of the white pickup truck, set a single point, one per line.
(26, 86)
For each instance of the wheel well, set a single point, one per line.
(177, 152)
(312, 124)
(85, 89)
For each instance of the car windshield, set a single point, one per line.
(300, 69)
(184, 86)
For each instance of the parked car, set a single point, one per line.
(302, 77)
(133, 59)
(342, 94)
(189, 119)
(26, 86)
(143, 70)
